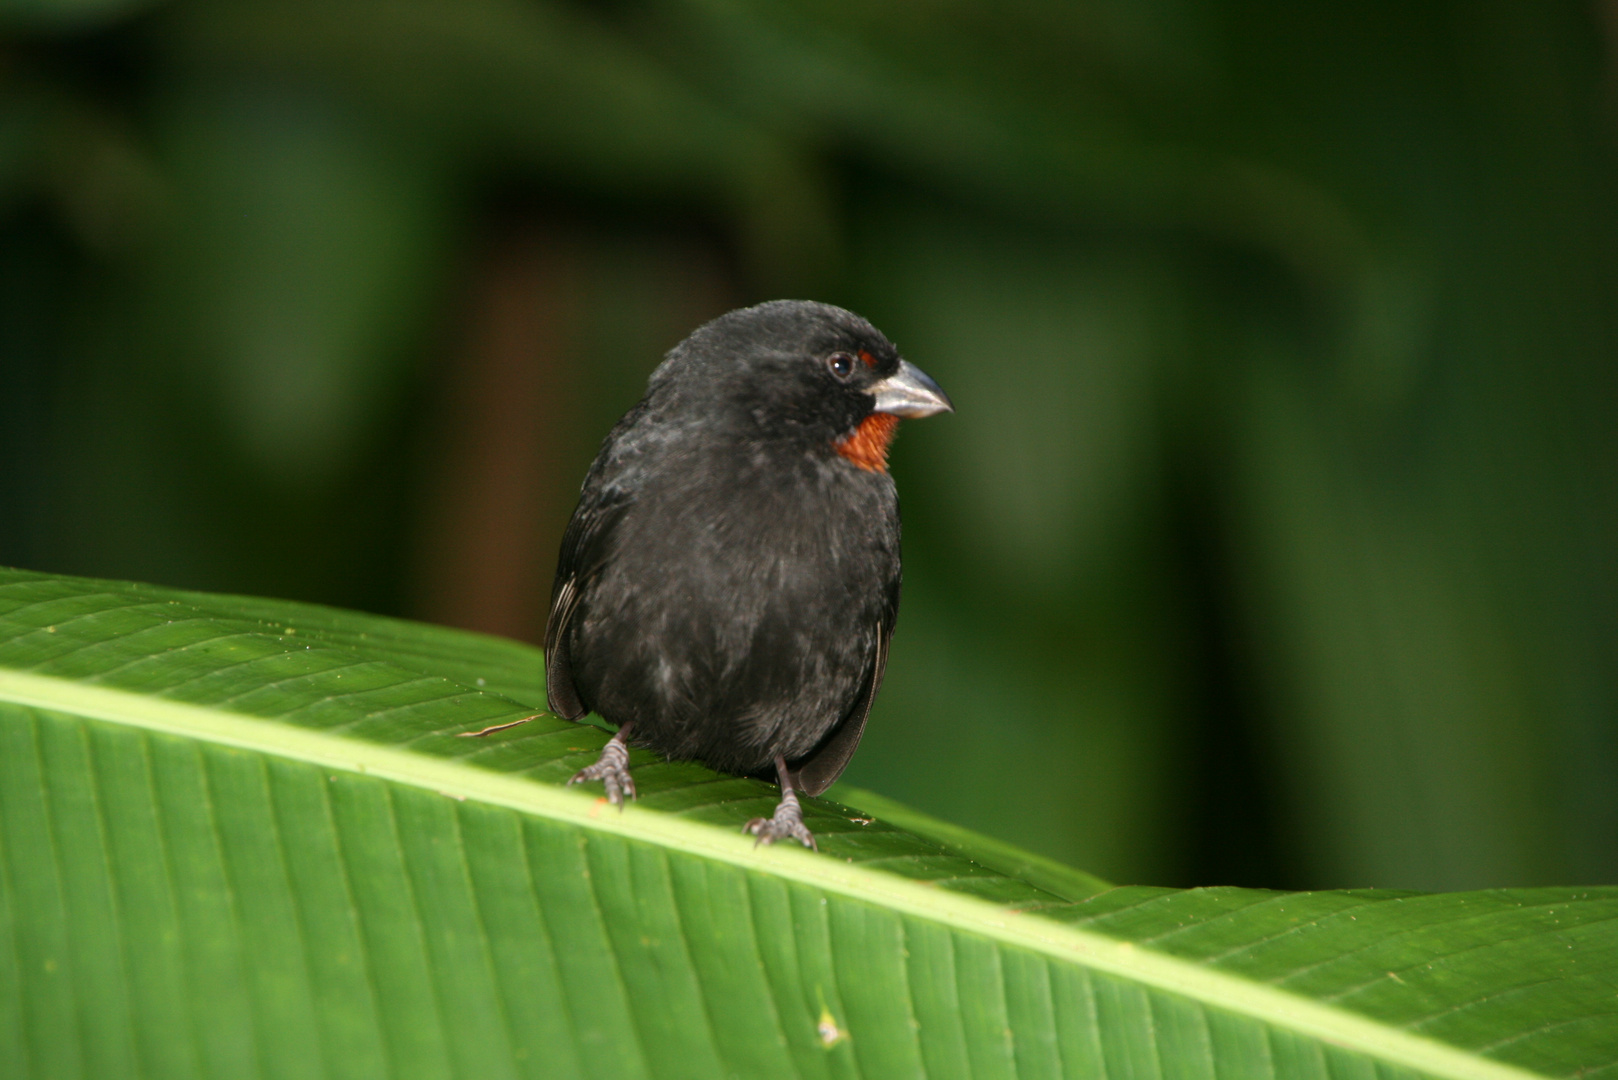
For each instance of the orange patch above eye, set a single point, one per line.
(868, 446)
(870, 361)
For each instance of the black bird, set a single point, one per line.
(728, 584)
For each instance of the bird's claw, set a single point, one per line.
(787, 823)
(612, 769)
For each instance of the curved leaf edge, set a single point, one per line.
(1054, 877)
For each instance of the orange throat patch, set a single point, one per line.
(868, 446)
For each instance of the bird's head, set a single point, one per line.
(801, 371)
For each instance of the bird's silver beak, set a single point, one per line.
(910, 392)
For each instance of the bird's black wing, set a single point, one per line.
(584, 548)
(828, 760)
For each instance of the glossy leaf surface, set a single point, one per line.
(242, 838)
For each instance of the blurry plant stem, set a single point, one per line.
(494, 499)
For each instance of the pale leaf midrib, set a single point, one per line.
(1068, 944)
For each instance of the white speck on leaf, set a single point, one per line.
(830, 1033)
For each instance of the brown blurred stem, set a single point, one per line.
(494, 500)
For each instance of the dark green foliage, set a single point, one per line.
(1271, 543)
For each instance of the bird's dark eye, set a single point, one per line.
(841, 364)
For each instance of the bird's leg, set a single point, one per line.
(612, 768)
(788, 819)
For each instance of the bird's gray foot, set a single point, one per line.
(788, 820)
(612, 769)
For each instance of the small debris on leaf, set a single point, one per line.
(830, 1033)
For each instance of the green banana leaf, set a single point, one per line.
(243, 838)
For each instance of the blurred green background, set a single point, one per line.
(1273, 541)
